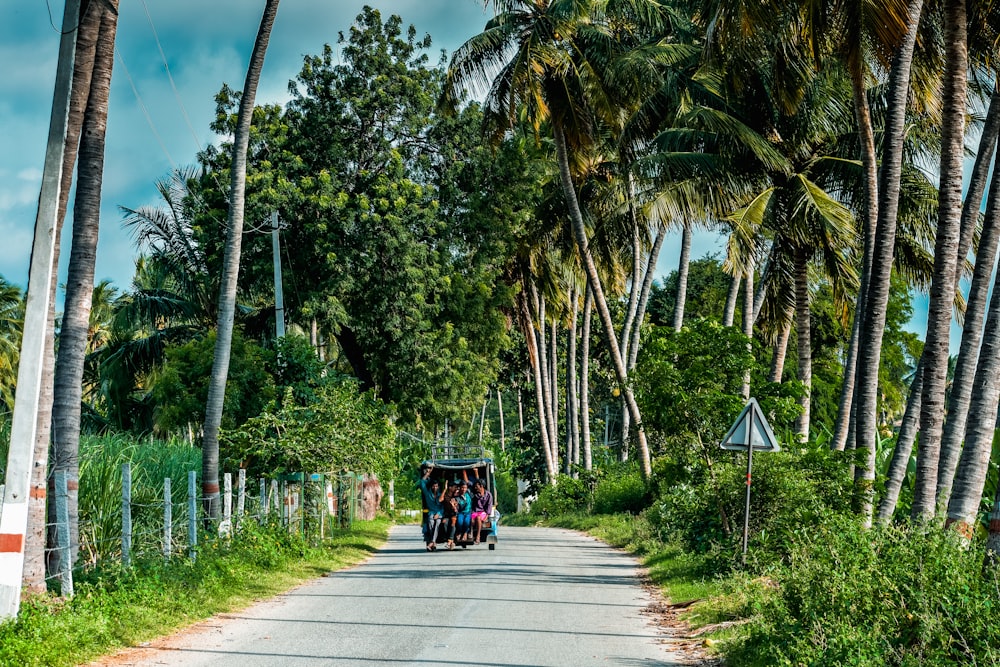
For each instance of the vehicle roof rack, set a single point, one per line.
(452, 451)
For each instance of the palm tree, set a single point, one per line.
(74, 338)
(877, 285)
(537, 49)
(11, 323)
(936, 346)
(231, 268)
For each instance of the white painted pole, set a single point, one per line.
(126, 514)
(263, 499)
(241, 494)
(227, 499)
(14, 520)
(279, 299)
(168, 518)
(62, 534)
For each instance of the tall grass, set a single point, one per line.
(151, 461)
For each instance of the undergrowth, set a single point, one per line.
(119, 607)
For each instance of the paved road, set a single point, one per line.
(543, 598)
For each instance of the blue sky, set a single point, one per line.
(206, 43)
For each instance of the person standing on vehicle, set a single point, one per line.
(464, 522)
(482, 507)
(430, 489)
(449, 503)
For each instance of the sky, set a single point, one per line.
(206, 43)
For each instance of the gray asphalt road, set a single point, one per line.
(544, 597)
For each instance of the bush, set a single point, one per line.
(621, 491)
(568, 496)
(704, 506)
(894, 596)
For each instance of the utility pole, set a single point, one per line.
(279, 297)
(14, 519)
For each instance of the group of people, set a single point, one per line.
(460, 509)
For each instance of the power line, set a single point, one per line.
(170, 77)
(145, 112)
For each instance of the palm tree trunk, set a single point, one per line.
(534, 358)
(554, 392)
(231, 269)
(904, 447)
(572, 404)
(520, 413)
(975, 310)
(964, 498)
(580, 235)
(647, 285)
(482, 416)
(682, 275)
(588, 308)
(543, 361)
(503, 432)
(803, 331)
(748, 318)
(89, 25)
(634, 286)
(973, 465)
(942, 293)
(780, 350)
(877, 298)
(73, 337)
(869, 167)
(729, 314)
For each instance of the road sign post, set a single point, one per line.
(750, 431)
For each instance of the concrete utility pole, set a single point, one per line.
(279, 296)
(14, 520)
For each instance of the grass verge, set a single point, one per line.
(118, 608)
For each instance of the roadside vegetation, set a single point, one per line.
(116, 607)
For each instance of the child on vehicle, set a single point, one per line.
(450, 505)
(464, 519)
(482, 507)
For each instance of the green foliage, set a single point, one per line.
(703, 505)
(895, 596)
(707, 289)
(180, 387)
(689, 385)
(342, 429)
(621, 490)
(567, 496)
(114, 608)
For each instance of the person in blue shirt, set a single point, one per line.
(430, 490)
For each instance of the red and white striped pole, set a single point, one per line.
(14, 513)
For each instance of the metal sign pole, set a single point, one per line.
(746, 508)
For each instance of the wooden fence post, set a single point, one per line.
(273, 494)
(193, 513)
(168, 518)
(62, 534)
(126, 514)
(302, 503)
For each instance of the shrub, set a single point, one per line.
(566, 497)
(621, 491)
(704, 507)
(894, 596)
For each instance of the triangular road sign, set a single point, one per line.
(760, 432)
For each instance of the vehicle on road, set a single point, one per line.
(452, 464)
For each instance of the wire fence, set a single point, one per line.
(168, 518)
